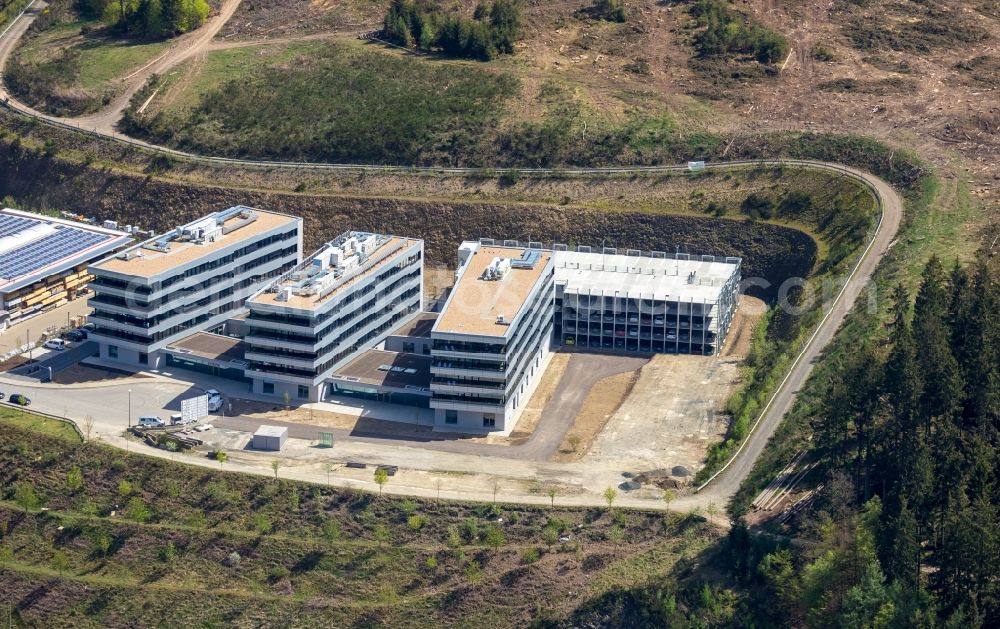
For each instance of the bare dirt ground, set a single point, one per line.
(676, 408)
(75, 374)
(605, 397)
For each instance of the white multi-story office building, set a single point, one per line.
(188, 280)
(491, 341)
(342, 300)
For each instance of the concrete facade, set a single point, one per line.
(491, 340)
(345, 298)
(190, 279)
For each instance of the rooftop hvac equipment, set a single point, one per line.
(369, 244)
(497, 269)
(110, 224)
(528, 259)
(690, 278)
(284, 293)
(501, 320)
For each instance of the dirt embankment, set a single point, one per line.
(36, 181)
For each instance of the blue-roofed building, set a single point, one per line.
(43, 260)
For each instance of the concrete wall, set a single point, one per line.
(421, 345)
(292, 389)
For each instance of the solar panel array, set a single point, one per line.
(11, 225)
(63, 243)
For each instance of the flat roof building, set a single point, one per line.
(43, 260)
(491, 340)
(393, 377)
(190, 279)
(644, 302)
(342, 300)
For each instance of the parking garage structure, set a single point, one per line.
(190, 279)
(644, 302)
(344, 299)
(490, 343)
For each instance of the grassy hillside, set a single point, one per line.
(322, 102)
(69, 66)
(92, 536)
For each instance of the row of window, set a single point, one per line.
(181, 293)
(372, 313)
(316, 335)
(216, 263)
(342, 303)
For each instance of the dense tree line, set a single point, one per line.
(423, 24)
(153, 19)
(728, 31)
(907, 531)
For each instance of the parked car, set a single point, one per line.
(178, 420)
(75, 335)
(150, 421)
(56, 344)
(214, 400)
(20, 399)
(1, 395)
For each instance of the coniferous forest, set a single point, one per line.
(906, 531)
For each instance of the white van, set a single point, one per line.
(178, 420)
(214, 400)
(56, 344)
(149, 421)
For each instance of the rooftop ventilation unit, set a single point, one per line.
(528, 259)
(497, 269)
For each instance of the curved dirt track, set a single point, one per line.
(725, 484)
(103, 122)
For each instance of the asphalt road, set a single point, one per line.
(720, 488)
(582, 372)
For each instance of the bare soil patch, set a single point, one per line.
(78, 373)
(603, 400)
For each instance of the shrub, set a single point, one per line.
(610, 10)
(729, 31)
(277, 573)
(261, 524)
(74, 479)
(168, 553)
(232, 560)
(822, 53)
(331, 530)
(758, 207)
(470, 531)
(125, 488)
(137, 510)
(415, 522)
(530, 555)
(431, 562)
(118, 465)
